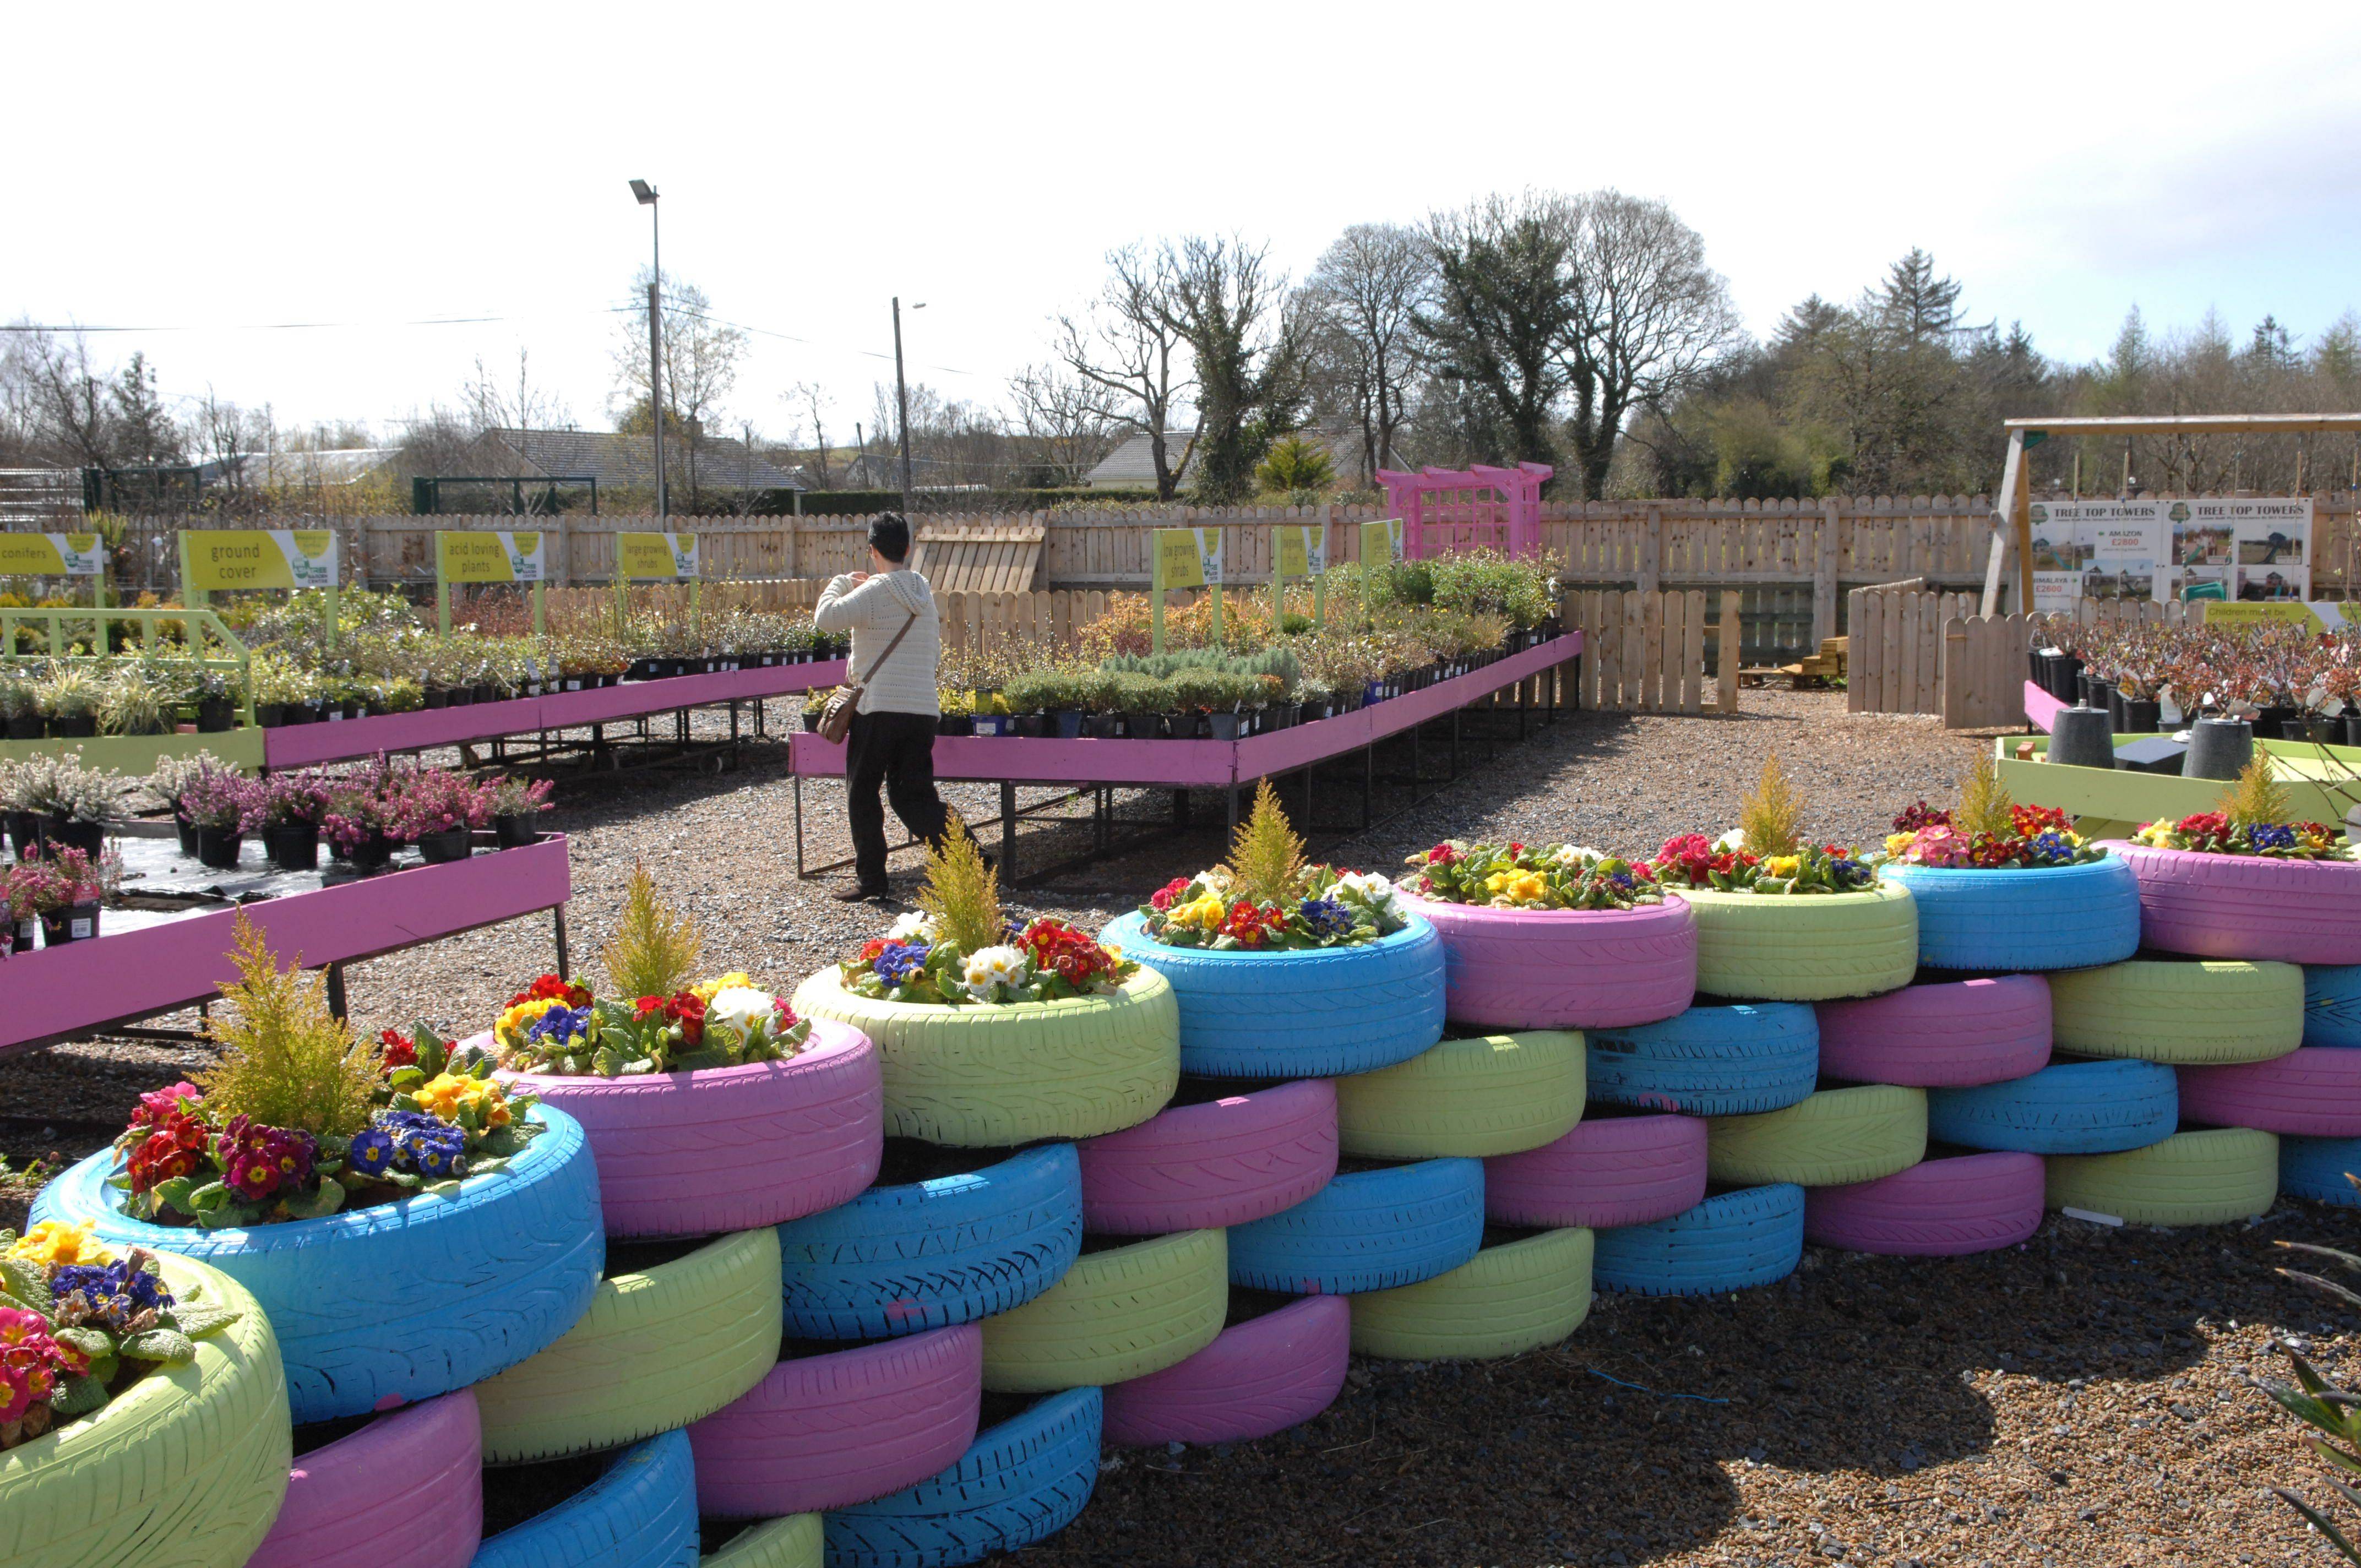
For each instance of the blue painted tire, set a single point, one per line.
(1367, 1230)
(2315, 1169)
(397, 1303)
(1730, 1060)
(926, 1255)
(1734, 1242)
(1020, 1482)
(2085, 1107)
(2331, 1005)
(2053, 918)
(641, 1514)
(1315, 1012)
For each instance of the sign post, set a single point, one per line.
(1183, 558)
(213, 560)
(1298, 552)
(492, 557)
(657, 557)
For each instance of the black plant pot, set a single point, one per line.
(442, 849)
(1066, 723)
(216, 714)
(2273, 721)
(2314, 728)
(81, 727)
(218, 847)
(27, 929)
(294, 846)
(23, 833)
(2142, 717)
(438, 699)
(372, 853)
(2351, 722)
(1223, 726)
(2067, 667)
(186, 831)
(487, 694)
(270, 714)
(1103, 726)
(515, 832)
(26, 726)
(1032, 725)
(89, 837)
(74, 923)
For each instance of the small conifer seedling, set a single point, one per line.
(1773, 816)
(962, 893)
(1265, 864)
(655, 949)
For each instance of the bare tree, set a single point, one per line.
(64, 402)
(1221, 297)
(1070, 422)
(817, 403)
(1125, 344)
(1368, 286)
(522, 404)
(702, 356)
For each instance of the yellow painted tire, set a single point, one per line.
(1117, 1314)
(1833, 1139)
(790, 1542)
(991, 1076)
(2181, 1013)
(657, 1350)
(1494, 1094)
(2191, 1179)
(185, 1469)
(1513, 1298)
(1805, 948)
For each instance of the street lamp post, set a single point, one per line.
(902, 397)
(646, 194)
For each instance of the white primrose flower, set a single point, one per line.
(1572, 854)
(1731, 841)
(1372, 888)
(990, 969)
(741, 1007)
(915, 926)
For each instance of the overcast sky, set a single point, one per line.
(213, 169)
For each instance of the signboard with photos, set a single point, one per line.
(2254, 550)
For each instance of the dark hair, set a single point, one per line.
(890, 536)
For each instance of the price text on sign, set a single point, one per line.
(672, 556)
(261, 558)
(52, 555)
(494, 557)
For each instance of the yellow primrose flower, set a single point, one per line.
(1520, 887)
(510, 1030)
(1783, 865)
(710, 989)
(1205, 913)
(1495, 882)
(53, 1241)
(1897, 842)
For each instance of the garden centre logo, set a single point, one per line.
(2040, 514)
(2179, 512)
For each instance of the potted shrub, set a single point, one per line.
(1287, 968)
(18, 923)
(992, 1035)
(62, 891)
(70, 701)
(24, 794)
(357, 821)
(130, 704)
(1553, 937)
(1102, 698)
(2002, 886)
(1196, 691)
(1067, 694)
(75, 802)
(171, 779)
(1139, 699)
(1028, 695)
(216, 696)
(20, 707)
(284, 812)
(215, 804)
(438, 811)
(815, 704)
(1781, 919)
(958, 715)
(512, 803)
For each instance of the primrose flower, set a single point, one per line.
(1373, 889)
(736, 979)
(1326, 916)
(1731, 841)
(989, 968)
(915, 926)
(741, 1007)
(1783, 865)
(53, 1242)
(900, 962)
(372, 1152)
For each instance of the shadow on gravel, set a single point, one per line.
(1859, 1366)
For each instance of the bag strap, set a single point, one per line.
(872, 672)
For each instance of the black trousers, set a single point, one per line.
(897, 750)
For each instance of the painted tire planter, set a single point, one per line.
(2332, 1005)
(1805, 948)
(1732, 1242)
(1118, 1314)
(716, 1314)
(690, 1153)
(1367, 1230)
(183, 1470)
(2313, 1091)
(2181, 1013)
(1709, 1061)
(401, 1302)
(1564, 969)
(845, 1427)
(1940, 1208)
(2085, 1107)
(414, 1475)
(1495, 1094)
(1315, 1012)
(1610, 1170)
(2314, 1169)
(990, 1076)
(641, 1514)
(795, 1541)
(2046, 917)
(925, 1254)
(1021, 1481)
(2191, 1179)
(1836, 1137)
(1212, 1163)
(1257, 1377)
(2245, 906)
(1510, 1299)
(1939, 1035)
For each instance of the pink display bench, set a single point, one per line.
(303, 745)
(56, 993)
(2040, 708)
(1477, 507)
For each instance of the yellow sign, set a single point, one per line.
(1381, 541)
(260, 558)
(52, 555)
(672, 556)
(494, 557)
(1188, 558)
(1303, 552)
(2248, 612)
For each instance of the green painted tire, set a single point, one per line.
(186, 1469)
(1118, 1314)
(790, 1542)
(658, 1349)
(1833, 1139)
(2181, 1013)
(2191, 1179)
(1805, 948)
(1513, 1298)
(1494, 1094)
(990, 1076)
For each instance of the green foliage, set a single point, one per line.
(2256, 798)
(1294, 463)
(286, 1060)
(1266, 857)
(961, 893)
(655, 948)
(1773, 818)
(2332, 1412)
(1984, 803)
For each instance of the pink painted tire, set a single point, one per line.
(1616, 1171)
(2239, 907)
(1259, 1376)
(846, 1427)
(2313, 1091)
(1940, 1208)
(690, 1153)
(1564, 969)
(1946, 1035)
(1211, 1165)
(405, 1491)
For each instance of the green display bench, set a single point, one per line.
(2322, 783)
(137, 753)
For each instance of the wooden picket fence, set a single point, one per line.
(1647, 652)
(1050, 622)
(1894, 653)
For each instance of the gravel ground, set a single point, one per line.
(2081, 1399)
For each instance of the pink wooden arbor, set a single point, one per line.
(1469, 508)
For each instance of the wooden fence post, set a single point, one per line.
(1824, 576)
(1726, 675)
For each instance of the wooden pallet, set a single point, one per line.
(986, 558)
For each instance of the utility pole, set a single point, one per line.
(647, 194)
(902, 397)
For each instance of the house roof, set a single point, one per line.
(723, 461)
(1133, 463)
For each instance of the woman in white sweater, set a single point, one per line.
(892, 741)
